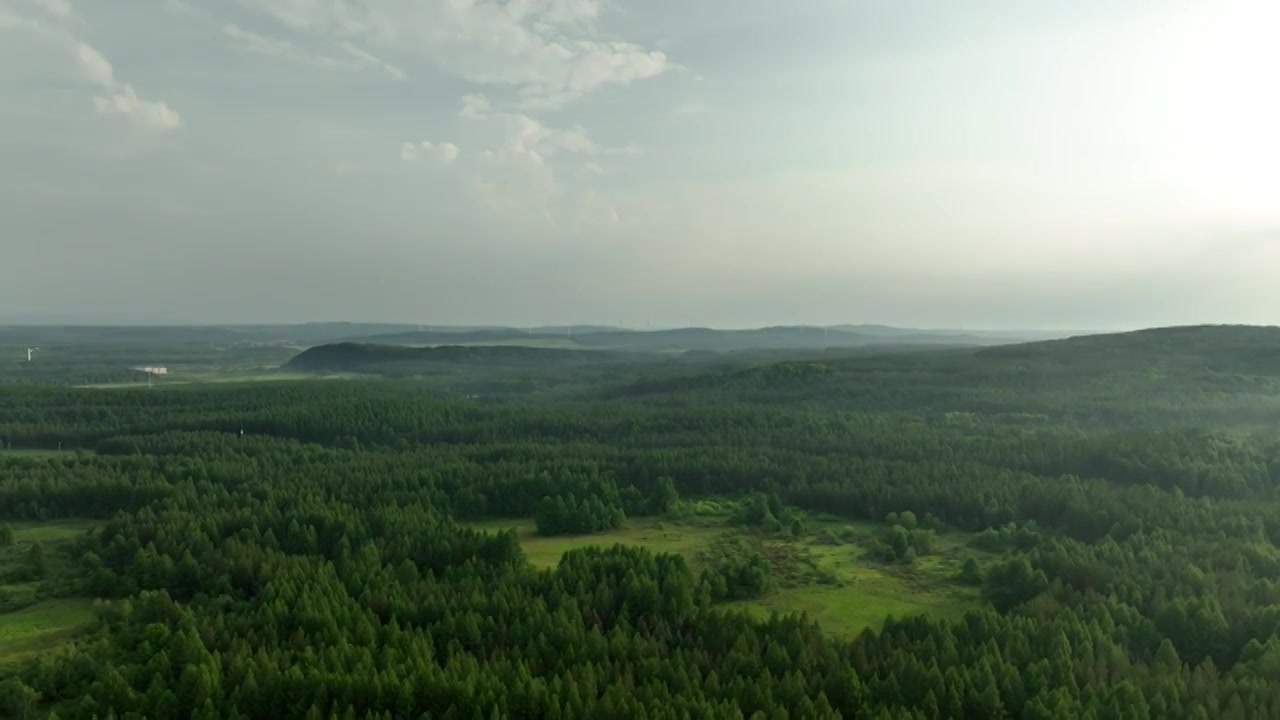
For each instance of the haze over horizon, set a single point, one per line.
(124, 321)
(1003, 165)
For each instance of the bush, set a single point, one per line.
(882, 552)
(922, 541)
(826, 537)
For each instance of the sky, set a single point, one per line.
(979, 164)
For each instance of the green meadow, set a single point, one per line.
(221, 375)
(38, 611)
(40, 627)
(834, 584)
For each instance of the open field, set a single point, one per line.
(662, 537)
(858, 593)
(40, 627)
(865, 592)
(28, 531)
(36, 613)
(36, 453)
(192, 377)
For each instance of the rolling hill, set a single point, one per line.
(793, 337)
(381, 359)
(1238, 349)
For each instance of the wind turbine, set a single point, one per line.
(29, 351)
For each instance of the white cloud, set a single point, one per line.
(150, 114)
(118, 98)
(365, 58)
(121, 98)
(354, 57)
(440, 153)
(95, 66)
(529, 174)
(275, 47)
(545, 49)
(57, 8)
(520, 56)
(521, 134)
(475, 105)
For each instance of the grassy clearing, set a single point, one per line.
(662, 537)
(194, 377)
(865, 593)
(37, 453)
(851, 609)
(40, 627)
(26, 531)
(268, 375)
(854, 593)
(37, 610)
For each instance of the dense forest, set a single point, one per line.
(309, 549)
(389, 359)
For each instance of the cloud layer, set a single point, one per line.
(548, 51)
(52, 21)
(719, 162)
(442, 153)
(344, 55)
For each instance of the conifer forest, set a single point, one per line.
(1076, 528)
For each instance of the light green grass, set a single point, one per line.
(204, 376)
(868, 592)
(865, 594)
(41, 627)
(269, 375)
(34, 622)
(36, 453)
(863, 604)
(18, 589)
(659, 536)
(26, 531)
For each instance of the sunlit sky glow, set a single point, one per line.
(986, 164)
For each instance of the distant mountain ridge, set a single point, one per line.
(368, 357)
(684, 339)
(1239, 359)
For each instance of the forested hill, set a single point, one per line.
(1245, 349)
(1085, 529)
(371, 358)
(1181, 375)
(793, 337)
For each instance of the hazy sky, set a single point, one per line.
(978, 163)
